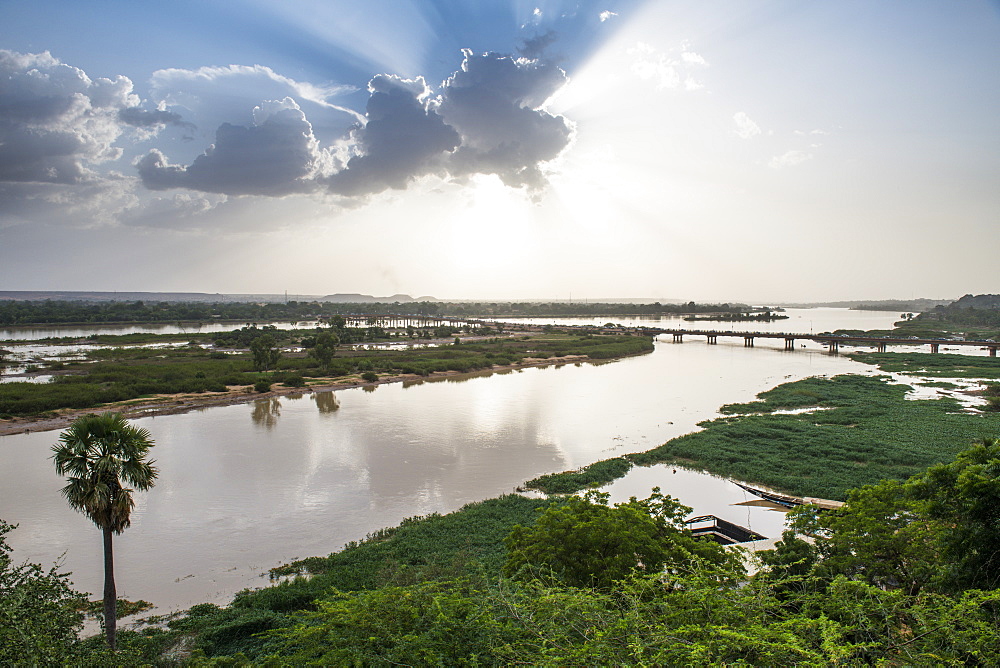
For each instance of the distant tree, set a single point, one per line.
(265, 353)
(325, 349)
(104, 459)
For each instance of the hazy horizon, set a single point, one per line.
(137, 294)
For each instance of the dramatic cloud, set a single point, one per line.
(55, 121)
(212, 96)
(745, 127)
(404, 138)
(495, 102)
(276, 156)
(488, 119)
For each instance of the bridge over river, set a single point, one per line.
(832, 341)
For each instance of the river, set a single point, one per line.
(246, 487)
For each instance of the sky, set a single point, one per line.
(733, 150)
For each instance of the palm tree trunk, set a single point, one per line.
(110, 595)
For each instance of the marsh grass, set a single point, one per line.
(467, 542)
(933, 364)
(868, 432)
(122, 374)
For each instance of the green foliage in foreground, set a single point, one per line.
(460, 544)
(937, 532)
(420, 546)
(584, 542)
(868, 432)
(848, 598)
(903, 574)
(686, 619)
(39, 611)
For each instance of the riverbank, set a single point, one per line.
(173, 404)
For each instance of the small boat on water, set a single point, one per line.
(790, 501)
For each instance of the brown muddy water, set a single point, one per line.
(244, 488)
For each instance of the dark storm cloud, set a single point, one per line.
(141, 118)
(404, 138)
(277, 156)
(55, 120)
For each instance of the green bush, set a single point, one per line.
(369, 376)
(262, 386)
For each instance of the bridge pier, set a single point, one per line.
(880, 347)
(748, 342)
(834, 346)
(678, 337)
(712, 338)
(935, 347)
(993, 351)
(789, 343)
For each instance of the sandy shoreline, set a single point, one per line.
(184, 403)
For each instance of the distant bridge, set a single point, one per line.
(833, 341)
(393, 321)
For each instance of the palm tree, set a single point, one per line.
(100, 455)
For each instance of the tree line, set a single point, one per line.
(79, 312)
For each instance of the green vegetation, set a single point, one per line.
(973, 317)
(933, 364)
(463, 544)
(79, 312)
(104, 460)
(324, 349)
(584, 542)
(39, 611)
(123, 374)
(864, 430)
(992, 393)
(906, 573)
(868, 432)
(847, 598)
(265, 354)
(595, 475)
